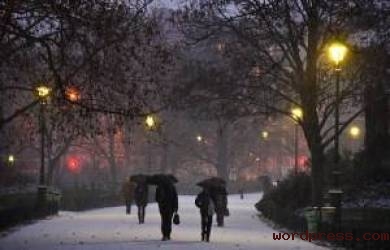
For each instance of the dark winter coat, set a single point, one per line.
(167, 198)
(203, 201)
(141, 193)
(219, 196)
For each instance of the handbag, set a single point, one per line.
(176, 219)
(226, 212)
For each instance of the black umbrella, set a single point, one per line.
(160, 179)
(213, 182)
(139, 178)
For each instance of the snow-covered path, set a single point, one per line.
(110, 228)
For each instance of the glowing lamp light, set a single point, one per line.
(150, 122)
(199, 138)
(43, 91)
(337, 52)
(354, 131)
(264, 134)
(297, 113)
(11, 159)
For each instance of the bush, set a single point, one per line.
(78, 199)
(282, 204)
(19, 208)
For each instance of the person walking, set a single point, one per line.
(128, 194)
(219, 197)
(167, 199)
(207, 208)
(141, 194)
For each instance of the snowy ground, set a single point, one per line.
(110, 228)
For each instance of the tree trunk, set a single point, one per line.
(377, 126)
(308, 94)
(222, 149)
(127, 144)
(164, 158)
(112, 160)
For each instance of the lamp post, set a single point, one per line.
(297, 115)
(42, 92)
(337, 52)
(150, 123)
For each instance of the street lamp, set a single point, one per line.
(150, 123)
(11, 160)
(42, 93)
(354, 132)
(337, 52)
(264, 135)
(199, 138)
(297, 115)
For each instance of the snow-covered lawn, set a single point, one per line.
(111, 228)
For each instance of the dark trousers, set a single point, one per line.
(207, 221)
(220, 218)
(141, 214)
(166, 223)
(128, 206)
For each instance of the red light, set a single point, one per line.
(73, 164)
(72, 94)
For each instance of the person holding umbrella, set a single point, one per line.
(217, 190)
(207, 208)
(167, 199)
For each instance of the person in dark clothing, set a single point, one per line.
(141, 193)
(167, 199)
(207, 208)
(219, 197)
(128, 194)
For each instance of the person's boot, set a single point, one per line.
(164, 238)
(203, 236)
(208, 237)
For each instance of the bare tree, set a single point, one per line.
(287, 42)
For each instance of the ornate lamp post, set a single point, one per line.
(42, 93)
(337, 52)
